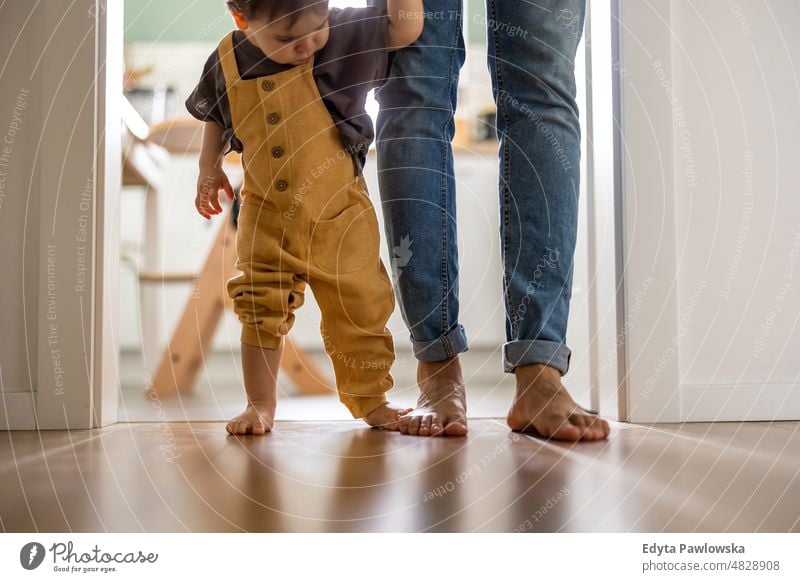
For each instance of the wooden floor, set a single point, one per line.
(338, 476)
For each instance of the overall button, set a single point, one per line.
(273, 118)
(277, 152)
(281, 185)
(267, 85)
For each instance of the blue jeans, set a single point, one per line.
(531, 51)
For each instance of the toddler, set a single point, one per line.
(287, 89)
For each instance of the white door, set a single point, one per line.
(709, 125)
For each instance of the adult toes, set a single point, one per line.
(583, 423)
(456, 426)
(414, 424)
(425, 425)
(403, 425)
(579, 420)
(565, 431)
(599, 428)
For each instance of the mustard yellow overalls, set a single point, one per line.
(306, 218)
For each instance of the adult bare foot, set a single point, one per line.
(386, 416)
(442, 403)
(543, 406)
(257, 419)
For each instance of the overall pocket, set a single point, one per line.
(347, 242)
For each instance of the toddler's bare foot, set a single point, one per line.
(442, 403)
(386, 416)
(260, 367)
(257, 419)
(543, 406)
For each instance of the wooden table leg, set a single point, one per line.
(183, 357)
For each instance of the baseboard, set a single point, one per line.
(17, 411)
(739, 402)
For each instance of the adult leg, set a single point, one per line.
(532, 48)
(415, 162)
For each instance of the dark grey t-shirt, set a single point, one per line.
(353, 62)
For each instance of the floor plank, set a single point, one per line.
(340, 476)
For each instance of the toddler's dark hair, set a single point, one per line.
(272, 9)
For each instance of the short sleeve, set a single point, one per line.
(208, 101)
(204, 101)
(359, 34)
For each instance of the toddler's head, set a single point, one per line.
(286, 31)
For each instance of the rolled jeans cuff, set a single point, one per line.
(524, 352)
(447, 346)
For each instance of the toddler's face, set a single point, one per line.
(291, 44)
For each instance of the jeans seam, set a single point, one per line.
(501, 109)
(444, 311)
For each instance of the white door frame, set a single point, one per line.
(650, 181)
(645, 127)
(606, 285)
(79, 163)
(85, 396)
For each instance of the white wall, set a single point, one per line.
(20, 126)
(710, 115)
(58, 292)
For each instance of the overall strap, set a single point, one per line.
(228, 60)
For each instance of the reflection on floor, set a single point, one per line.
(219, 394)
(340, 476)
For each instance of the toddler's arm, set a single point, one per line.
(211, 179)
(406, 18)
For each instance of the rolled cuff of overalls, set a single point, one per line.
(447, 346)
(361, 406)
(524, 352)
(259, 338)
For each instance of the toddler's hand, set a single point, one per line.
(210, 181)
